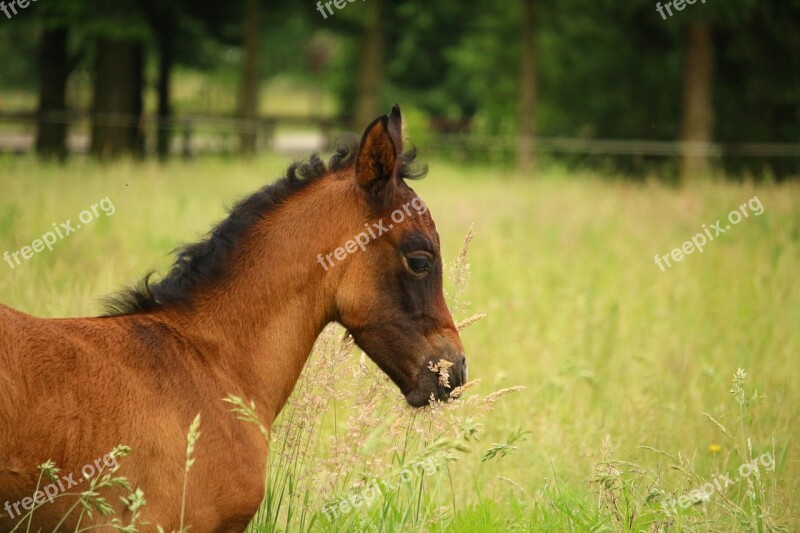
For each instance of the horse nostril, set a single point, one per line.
(462, 369)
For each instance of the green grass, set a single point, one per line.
(619, 359)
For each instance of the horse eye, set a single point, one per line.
(419, 264)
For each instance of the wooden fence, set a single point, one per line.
(191, 134)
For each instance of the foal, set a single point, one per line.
(237, 314)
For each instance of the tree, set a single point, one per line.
(162, 18)
(757, 84)
(250, 78)
(697, 130)
(55, 62)
(370, 66)
(117, 102)
(527, 89)
(54, 66)
(119, 33)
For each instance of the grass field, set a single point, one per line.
(619, 360)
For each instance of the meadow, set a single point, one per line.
(639, 386)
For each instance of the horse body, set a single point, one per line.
(238, 314)
(98, 383)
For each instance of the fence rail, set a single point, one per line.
(199, 133)
(192, 133)
(624, 147)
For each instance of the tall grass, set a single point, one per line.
(349, 454)
(627, 369)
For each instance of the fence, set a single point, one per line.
(192, 134)
(206, 133)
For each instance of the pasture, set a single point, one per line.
(629, 406)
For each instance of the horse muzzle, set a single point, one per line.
(437, 379)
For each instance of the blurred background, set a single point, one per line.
(578, 138)
(636, 87)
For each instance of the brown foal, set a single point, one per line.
(237, 314)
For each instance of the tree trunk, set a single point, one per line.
(54, 69)
(526, 156)
(165, 29)
(697, 129)
(370, 68)
(249, 90)
(117, 106)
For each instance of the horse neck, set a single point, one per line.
(275, 300)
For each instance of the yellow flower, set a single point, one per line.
(714, 448)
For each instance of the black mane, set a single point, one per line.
(203, 262)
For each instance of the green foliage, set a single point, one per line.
(605, 69)
(17, 70)
(505, 448)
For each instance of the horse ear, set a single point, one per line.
(380, 150)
